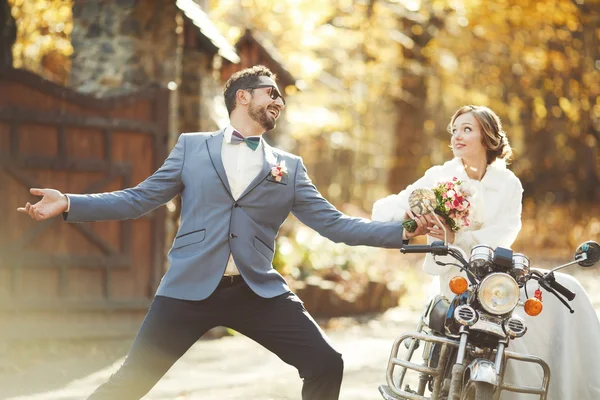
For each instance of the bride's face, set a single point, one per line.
(466, 138)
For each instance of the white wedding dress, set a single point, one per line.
(569, 343)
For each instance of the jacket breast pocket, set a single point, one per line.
(282, 181)
(189, 238)
(263, 249)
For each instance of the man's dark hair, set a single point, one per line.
(244, 79)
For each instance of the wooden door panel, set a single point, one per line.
(53, 137)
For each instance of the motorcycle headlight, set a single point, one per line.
(498, 293)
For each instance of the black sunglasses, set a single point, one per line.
(274, 92)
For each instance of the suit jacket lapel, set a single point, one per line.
(269, 162)
(214, 151)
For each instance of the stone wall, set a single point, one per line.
(199, 88)
(122, 45)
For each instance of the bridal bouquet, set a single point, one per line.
(452, 204)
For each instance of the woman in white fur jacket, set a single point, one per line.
(569, 343)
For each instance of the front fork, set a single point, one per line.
(480, 369)
(458, 369)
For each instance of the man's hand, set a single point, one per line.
(422, 226)
(53, 203)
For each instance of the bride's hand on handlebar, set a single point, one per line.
(436, 231)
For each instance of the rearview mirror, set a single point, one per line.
(422, 201)
(588, 254)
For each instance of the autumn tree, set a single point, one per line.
(416, 29)
(341, 121)
(43, 37)
(532, 63)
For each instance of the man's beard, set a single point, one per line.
(261, 116)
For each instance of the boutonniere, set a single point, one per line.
(279, 171)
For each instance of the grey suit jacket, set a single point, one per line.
(213, 224)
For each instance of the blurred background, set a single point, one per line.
(93, 95)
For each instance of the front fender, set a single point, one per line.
(481, 370)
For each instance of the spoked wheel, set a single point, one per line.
(478, 391)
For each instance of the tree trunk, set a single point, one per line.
(590, 21)
(8, 35)
(412, 147)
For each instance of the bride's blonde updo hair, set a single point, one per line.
(493, 137)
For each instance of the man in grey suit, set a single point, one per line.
(236, 192)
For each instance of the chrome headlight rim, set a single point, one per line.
(511, 285)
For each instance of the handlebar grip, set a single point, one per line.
(415, 249)
(562, 290)
(437, 250)
(550, 280)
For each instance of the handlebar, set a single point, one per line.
(548, 282)
(551, 280)
(438, 248)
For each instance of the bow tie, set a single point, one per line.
(251, 141)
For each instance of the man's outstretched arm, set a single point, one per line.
(129, 203)
(316, 212)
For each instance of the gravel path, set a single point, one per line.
(228, 368)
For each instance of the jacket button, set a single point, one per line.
(236, 205)
(233, 236)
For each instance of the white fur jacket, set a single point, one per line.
(495, 208)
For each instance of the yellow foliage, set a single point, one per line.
(532, 61)
(43, 42)
(570, 225)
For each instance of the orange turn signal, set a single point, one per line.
(458, 285)
(533, 307)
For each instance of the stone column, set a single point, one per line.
(199, 86)
(122, 45)
(190, 110)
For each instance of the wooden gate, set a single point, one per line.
(52, 137)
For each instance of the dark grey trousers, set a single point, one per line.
(281, 324)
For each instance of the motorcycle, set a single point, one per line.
(465, 340)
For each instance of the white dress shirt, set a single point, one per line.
(242, 164)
